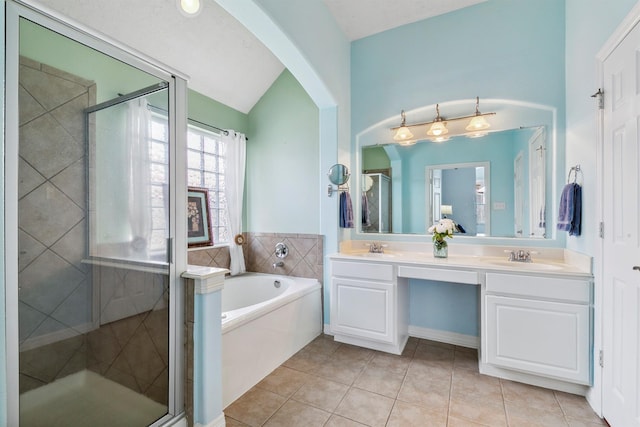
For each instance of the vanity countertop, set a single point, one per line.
(545, 261)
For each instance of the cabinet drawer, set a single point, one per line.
(554, 288)
(363, 270)
(438, 274)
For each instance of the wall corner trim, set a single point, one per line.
(206, 279)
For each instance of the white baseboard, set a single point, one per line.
(444, 336)
(533, 379)
(433, 335)
(218, 422)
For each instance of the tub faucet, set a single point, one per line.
(278, 264)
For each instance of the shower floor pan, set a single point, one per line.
(87, 399)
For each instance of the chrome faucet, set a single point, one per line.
(278, 264)
(519, 255)
(376, 248)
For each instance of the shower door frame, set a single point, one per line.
(177, 262)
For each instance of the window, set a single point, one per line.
(159, 164)
(205, 168)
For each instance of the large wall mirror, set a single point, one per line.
(501, 185)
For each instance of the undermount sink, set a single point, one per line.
(377, 255)
(516, 265)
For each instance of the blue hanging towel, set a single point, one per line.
(570, 211)
(346, 210)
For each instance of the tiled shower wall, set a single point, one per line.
(305, 257)
(58, 336)
(55, 287)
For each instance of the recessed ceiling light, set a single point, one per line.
(189, 8)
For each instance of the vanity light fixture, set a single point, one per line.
(189, 8)
(438, 130)
(403, 135)
(478, 123)
(438, 127)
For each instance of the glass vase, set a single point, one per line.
(440, 249)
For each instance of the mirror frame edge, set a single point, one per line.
(555, 240)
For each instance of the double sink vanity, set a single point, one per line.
(535, 315)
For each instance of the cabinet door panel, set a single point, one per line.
(541, 337)
(363, 309)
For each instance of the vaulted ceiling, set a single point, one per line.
(222, 58)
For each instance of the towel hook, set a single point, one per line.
(575, 169)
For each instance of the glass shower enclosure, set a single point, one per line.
(95, 284)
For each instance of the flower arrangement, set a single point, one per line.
(444, 228)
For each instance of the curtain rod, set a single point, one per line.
(226, 132)
(147, 91)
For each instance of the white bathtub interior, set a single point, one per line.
(259, 338)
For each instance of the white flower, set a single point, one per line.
(444, 228)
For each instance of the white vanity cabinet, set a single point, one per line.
(369, 305)
(538, 325)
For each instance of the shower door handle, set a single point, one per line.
(170, 250)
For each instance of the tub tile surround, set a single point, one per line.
(430, 384)
(305, 257)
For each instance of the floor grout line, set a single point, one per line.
(443, 359)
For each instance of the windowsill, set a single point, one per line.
(145, 266)
(199, 248)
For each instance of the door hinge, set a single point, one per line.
(601, 232)
(601, 359)
(600, 96)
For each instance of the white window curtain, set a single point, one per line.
(138, 132)
(235, 145)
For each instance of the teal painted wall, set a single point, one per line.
(375, 158)
(509, 49)
(501, 49)
(212, 112)
(441, 306)
(589, 25)
(283, 168)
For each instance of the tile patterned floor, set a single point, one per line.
(432, 384)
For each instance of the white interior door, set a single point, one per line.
(537, 183)
(518, 195)
(621, 254)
